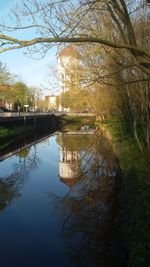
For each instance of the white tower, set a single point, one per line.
(68, 68)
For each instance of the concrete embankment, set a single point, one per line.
(37, 120)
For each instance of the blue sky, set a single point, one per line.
(36, 73)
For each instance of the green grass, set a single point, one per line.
(135, 193)
(8, 135)
(6, 132)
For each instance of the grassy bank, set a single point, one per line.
(8, 135)
(135, 194)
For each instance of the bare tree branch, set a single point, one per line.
(24, 43)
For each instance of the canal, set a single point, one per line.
(59, 203)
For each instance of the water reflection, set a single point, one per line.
(69, 166)
(88, 212)
(11, 185)
(79, 228)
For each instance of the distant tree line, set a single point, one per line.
(16, 94)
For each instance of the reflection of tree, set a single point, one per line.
(73, 142)
(23, 152)
(11, 185)
(88, 211)
(30, 160)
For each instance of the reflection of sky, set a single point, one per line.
(33, 72)
(6, 169)
(30, 227)
(30, 233)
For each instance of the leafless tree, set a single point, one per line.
(63, 21)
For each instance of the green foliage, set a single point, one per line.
(74, 123)
(6, 133)
(18, 93)
(5, 76)
(74, 99)
(135, 201)
(22, 94)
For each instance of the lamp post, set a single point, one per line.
(34, 109)
(26, 107)
(18, 107)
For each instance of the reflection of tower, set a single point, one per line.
(69, 166)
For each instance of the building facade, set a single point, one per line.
(51, 102)
(68, 71)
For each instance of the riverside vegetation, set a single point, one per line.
(10, 135)
(135, 192)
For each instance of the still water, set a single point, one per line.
(58, 204)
